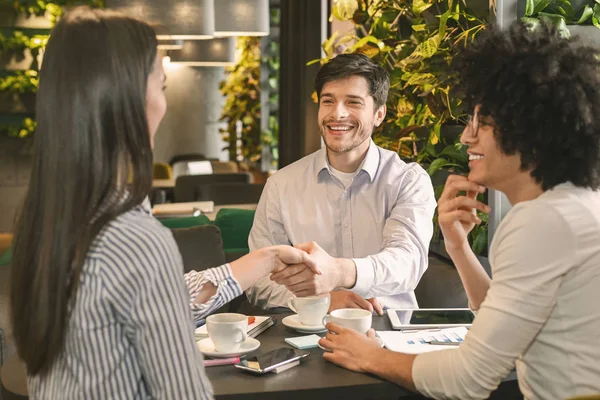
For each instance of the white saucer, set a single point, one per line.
(207, 348)
(293, 321)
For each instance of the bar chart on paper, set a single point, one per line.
(419, 341)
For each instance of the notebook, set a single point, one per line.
(259, 325)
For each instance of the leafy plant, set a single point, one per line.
(54, 8)
(19, 42)
(415, 41)
(561, 13)
(241, 89)
(16, 84)
(20, 82)
(26, 129)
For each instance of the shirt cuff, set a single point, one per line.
(365, 276)
(228, 288)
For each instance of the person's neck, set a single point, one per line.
(348, 161)
(522, 188)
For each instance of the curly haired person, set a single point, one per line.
(534, 135)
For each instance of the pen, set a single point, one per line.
(221, 361)
(435, 342)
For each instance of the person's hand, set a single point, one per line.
(457, 215)
(350, 349)
(348, 299)
(302, 281)
(282, 256)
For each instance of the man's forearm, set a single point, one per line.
(392, 366)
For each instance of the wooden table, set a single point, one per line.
(163, 183)
(316, 378)
(171, 210)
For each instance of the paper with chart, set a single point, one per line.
(415, 342)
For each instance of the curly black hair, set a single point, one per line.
(542, 92)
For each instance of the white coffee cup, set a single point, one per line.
(311, 309)
(354, 318)
(227, 331)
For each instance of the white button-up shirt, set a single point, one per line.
(382, 221)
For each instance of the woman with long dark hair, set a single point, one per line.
(99, 305)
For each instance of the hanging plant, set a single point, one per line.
(241, 112)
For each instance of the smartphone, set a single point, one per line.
(267, 362)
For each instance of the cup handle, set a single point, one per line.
(291, 305)
(326, 319)
(244, 335)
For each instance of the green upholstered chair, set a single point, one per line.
(235, 225)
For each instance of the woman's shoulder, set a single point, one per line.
(134, 235)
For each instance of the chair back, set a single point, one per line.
(187, 186)
(441, 287)
(230, 193)
(201, 247)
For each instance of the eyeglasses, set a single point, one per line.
(472, 125)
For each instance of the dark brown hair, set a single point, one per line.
(92, 161)
(346, 65)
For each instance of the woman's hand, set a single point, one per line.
(457, 215)
(282, 256)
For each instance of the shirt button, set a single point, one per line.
(224, 283)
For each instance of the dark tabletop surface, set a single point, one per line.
(314, 378)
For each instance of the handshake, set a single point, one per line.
(308, 270)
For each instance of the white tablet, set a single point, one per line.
(427, 318)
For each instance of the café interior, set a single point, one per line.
(241, 106)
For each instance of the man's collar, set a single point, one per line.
(369, 164)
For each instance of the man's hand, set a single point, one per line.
(350, 349)
(348, 299)
(457, 216)
(282, 256)
(302, 281)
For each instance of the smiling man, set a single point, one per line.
(366, 214)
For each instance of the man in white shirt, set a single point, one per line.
(367, 214)
(535, 136)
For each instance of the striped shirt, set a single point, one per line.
(131, 332)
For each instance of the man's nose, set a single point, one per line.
(341, 111)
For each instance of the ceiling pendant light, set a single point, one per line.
(181, 19)
(218, 52)
(241, 18)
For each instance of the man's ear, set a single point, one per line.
(380, 115)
